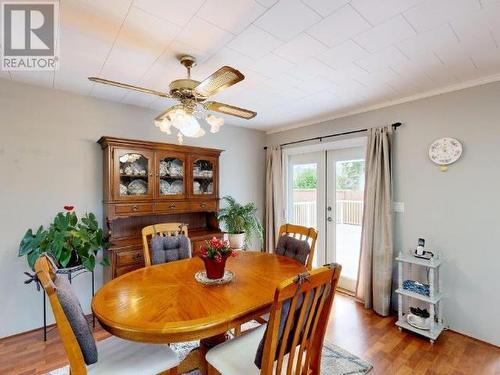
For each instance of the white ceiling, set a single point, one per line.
(303, 59)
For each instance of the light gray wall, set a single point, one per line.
(457, 211)
(49, 158)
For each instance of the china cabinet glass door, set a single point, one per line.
(203, 177)
(133, 174)
(170, 173)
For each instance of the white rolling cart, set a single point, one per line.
(434, 299)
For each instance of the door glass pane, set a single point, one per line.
(305, 195)
(171, 176)
(133, 174)
(350, 184)
(203, 177)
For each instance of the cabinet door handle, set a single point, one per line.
(135, 208)
(137, 256)
(203, 205)
(172, 205)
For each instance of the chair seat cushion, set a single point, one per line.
(118, 356)
(237, 356)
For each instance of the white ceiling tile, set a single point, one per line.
(176, 11)
(287, 19)
(325, 7)
(300, 48)
(45, 78)
(108, 92)
(488, 61)
(233, 16)
(428, 41)
(138, 98)
(254, 42)
(310, 68)
(271, 65)
(382, 59)
(282, 81)
(161, 104)
(343, 54)
(385, 34)
(228, 56)
(204, 36)
(433, 13)
(341, 25)
(378, 11)
(267, 3)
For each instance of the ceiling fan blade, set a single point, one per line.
(230, 110)
(218, 81)
(129, 87)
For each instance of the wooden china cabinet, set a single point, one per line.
(147, 183)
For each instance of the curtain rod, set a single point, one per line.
(395, 126)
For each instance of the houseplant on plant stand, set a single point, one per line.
(71, 241)
(214, 254)
(240, 221)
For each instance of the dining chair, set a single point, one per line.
(169, 241)
(292, 340)
(297, 242)
(110, 356)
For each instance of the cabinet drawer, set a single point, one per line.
(123, 270)
(125, 258)
(209, 206)
(170, 207)
(133, 208)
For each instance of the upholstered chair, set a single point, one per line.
(297, 242)
(110, 356)
(169, 242)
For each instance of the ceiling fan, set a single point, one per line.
(192, 96)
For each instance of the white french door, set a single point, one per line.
(306, 196)
(324, 190)
(344, 211)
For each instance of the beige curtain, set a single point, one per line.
(274, 196)
(376, 260)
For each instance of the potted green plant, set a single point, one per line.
(240, 222)
(72, 241)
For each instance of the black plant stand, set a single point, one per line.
(71, 273)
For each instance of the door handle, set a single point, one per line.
(329, 218)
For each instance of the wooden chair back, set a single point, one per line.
(317, 287)
(165, 229)
(46, 273)
(301, 233)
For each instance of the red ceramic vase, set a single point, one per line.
(215, 270)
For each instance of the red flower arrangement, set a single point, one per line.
(214, 254)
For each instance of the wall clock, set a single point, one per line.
(445, 151)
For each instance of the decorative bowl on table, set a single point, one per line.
(137, 187)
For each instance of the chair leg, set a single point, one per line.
(261, 320)
(212, 370)
(237, 331)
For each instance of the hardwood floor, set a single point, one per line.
(355, 329)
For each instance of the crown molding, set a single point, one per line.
(427, 94)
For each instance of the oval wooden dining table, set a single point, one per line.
(165, 304)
